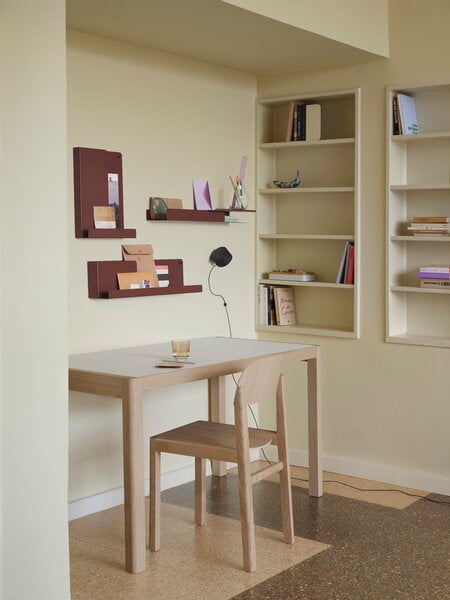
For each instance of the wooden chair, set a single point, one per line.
(260, 381)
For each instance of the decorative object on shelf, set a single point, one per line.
(104, 217)
(292, 275)
(158, 207)
(220, 257)
(98, 183)
(288, 184)
(240, 196)
(142, 255)
(202, 197)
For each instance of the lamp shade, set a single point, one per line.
(220, 257)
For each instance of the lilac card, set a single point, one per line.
(202, 198)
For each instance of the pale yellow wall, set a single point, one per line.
(360, 23)
(173, 120)
(382, 403)
(34, 300)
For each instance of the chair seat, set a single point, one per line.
(209, 440)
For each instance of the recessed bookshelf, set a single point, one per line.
(307, 227)
(418, 185)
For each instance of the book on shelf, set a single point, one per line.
(284, 305)
(428, 227)
(434, 233)
(272, 315)
(395, 118)
(435, 283)
(435, 269)
(283, 117)
(313, 122)
(407, 114)
(263, 304)
(431, 275)
(351, 265)
(445, 219)
(292, 275)
(347, 264)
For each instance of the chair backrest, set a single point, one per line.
(259, 381)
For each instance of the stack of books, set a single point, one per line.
(276, 305)
(404, 115)
(429, 226)
(346, 271)
(292, 275)
(303, 122)
(434, 276)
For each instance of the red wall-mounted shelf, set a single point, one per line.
(202, 216)
(102, 279)
(91, 167)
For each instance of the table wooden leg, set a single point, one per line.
(217, 413)
(133, 469)
(314, 427)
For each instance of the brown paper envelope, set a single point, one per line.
(128, 281)
(143, 255)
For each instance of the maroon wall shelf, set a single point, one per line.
(102, 279)
(91, 167)
(201, 216)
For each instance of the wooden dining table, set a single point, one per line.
(126, 373)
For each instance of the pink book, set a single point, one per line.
(202, 198)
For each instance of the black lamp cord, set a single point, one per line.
(300, 478)
(225, 305)
(353, 486)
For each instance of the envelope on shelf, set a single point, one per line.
(135, 281)
(142, 254)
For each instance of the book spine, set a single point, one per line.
(434, 269)
(401, 127)
(272, 318)
(430, 220)
(294, 124)
(351, 261)
(395, 119)
(430, 275)
(263, 304)
(435, 283)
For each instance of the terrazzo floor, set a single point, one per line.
(350, 545)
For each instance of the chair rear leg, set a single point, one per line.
(155, 499)
(200, 491)
(286, 504)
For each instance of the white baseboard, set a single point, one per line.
(368, 470)
(92, 504)
(299, 458)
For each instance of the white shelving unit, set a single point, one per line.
(307, 227)
(418, 184)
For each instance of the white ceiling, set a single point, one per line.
(212, 31)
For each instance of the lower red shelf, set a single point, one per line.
(102, 279)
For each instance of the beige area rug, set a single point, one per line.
(194, 562)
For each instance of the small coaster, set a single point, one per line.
(169, 365)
